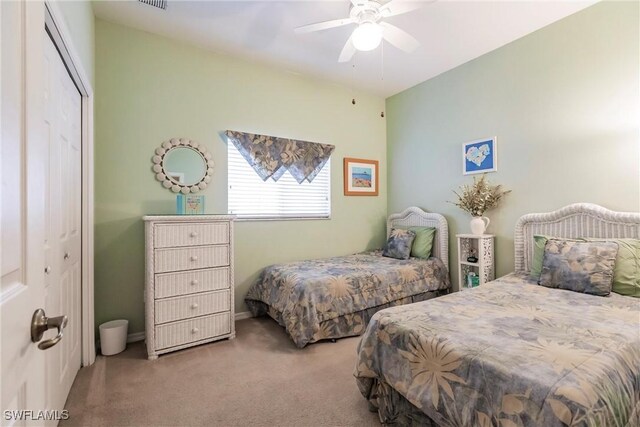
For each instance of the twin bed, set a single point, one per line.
(335, 297)
(509, 353)
(512, 352)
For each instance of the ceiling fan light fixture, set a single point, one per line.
(367, 36)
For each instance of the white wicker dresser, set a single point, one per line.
(189, 281)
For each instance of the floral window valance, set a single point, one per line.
(271, 156)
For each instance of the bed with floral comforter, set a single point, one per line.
(335, 297)
(509, 353)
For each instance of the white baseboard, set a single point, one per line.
(139, 336)
(135, 337)
(243, 315)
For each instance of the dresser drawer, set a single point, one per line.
(175, 235)
(186, 331)
(178, 308)
(189, 282)
(191, 258)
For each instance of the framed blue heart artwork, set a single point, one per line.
(480, 156)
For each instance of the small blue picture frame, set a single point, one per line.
(480, 156)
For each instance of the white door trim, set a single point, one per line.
(61, 36)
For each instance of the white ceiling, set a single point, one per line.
(450, 32)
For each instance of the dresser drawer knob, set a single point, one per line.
(194, 306)
(194, 234)
(194, 258)
(195, 330)
(194, 282)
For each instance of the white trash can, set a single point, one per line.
(113, 337)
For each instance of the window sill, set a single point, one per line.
(280, 218)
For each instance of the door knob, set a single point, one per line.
(47, 269)
(66, 255)
(40, 323)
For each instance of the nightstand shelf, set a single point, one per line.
(473, 264)
(482, 247)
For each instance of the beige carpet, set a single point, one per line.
(258, 379)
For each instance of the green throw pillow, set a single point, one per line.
(626, 273)
(423, 243)
(538, 255)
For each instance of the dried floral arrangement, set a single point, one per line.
(480, 197)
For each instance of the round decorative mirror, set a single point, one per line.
(183, 165)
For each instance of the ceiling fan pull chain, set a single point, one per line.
(353, 80)
(382, 71)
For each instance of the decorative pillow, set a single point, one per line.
(423, 243)
(626, 273)
(539, 242)
(585, 267)
(399, 244)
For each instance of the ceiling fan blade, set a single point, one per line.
(399, 38)
(398, 7)
(347, 51)
(323, 25)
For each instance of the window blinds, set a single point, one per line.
(250, 197)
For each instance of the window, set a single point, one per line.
(250, 197)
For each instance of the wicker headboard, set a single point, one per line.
(413, 216)
(573, 221)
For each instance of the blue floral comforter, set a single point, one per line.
(509, 353)
(334, 297)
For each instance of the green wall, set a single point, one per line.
(78, 16)
(564, 104)
(149, 89)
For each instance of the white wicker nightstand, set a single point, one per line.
(483, 247)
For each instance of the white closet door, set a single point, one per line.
(22, 160)
(63, 251)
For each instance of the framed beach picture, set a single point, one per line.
(480, 156)
(360, 177)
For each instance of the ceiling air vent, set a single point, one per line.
(160, 4)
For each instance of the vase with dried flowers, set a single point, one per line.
(478, 198)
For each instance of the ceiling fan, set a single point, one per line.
(369, 15)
